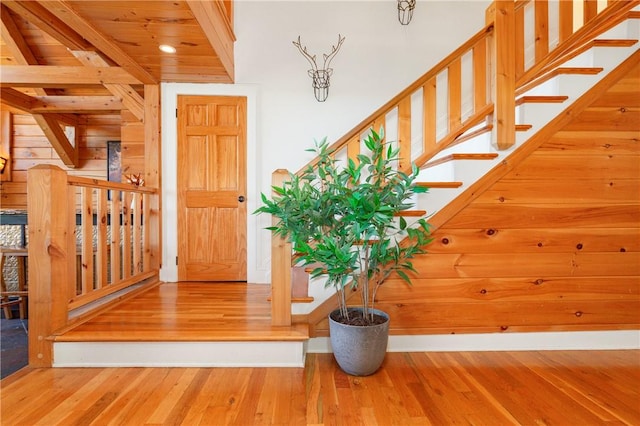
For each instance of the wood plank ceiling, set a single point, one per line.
(61, 59)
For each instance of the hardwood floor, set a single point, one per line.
(189, 311)
(483, 388)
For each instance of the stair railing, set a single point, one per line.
(472, 90)
(88, 239)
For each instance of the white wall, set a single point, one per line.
(378, 59)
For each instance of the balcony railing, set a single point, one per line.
(88, 240)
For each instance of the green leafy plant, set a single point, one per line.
(342, 219)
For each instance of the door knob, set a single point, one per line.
(241, 198)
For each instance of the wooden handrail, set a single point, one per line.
(96, 183)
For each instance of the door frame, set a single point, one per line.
(258, 253)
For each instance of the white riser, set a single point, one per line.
(179, 354)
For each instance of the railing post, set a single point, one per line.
(503, 78)
(152, 206)
(280, 269)
(52, 254)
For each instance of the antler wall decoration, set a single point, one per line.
(405, 11)
(320, 76)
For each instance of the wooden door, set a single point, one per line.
(212, 208)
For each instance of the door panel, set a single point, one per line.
(211, 181)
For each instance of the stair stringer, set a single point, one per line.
(317, 318)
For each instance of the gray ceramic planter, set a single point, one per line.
(359, 350)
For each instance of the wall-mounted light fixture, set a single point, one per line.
(3, 164)
(320, 76)
(405, 11)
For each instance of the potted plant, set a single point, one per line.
(344, 221)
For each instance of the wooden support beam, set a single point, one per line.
(58, 139)
(14, 40)
(129, 97)
(50, 123)
(106, 44)
(16, 99)
(38, 15)
(213, 20)
(76, 104)
(152, 165)
(62, 76)
(60, 104)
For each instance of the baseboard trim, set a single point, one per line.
(534, 341)
(179, 354)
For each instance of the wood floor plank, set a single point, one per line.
(551, 388)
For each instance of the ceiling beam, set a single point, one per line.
(62, 76)
(16, 99)
(53, 131)
(129, 97)
(14, 40)
(61, 104)
(77, 104)
(213, 20)
(107, 45)
(48, 123)
(35, 13)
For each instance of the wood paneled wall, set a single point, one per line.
(132, 145)
(30, 147)
(553, 245)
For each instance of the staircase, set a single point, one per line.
(453, 174)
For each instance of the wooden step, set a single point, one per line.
(556, 72)
(613, 42)
(523, 127)
(452, 157)
(439, 184)
(468, 136)
(541, 100)
(411, 213)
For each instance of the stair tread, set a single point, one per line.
(614, 42)
(452, 184)
(577, 70)
(556, 72)
(523, 127)
(411, 213)
(469, 156)
(541, 99)
(468, 136)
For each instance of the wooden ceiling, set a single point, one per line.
(60, 59)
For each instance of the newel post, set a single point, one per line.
(503, 78)
(280, 269)
(52, 247)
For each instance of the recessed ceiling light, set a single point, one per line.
(167, 49)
